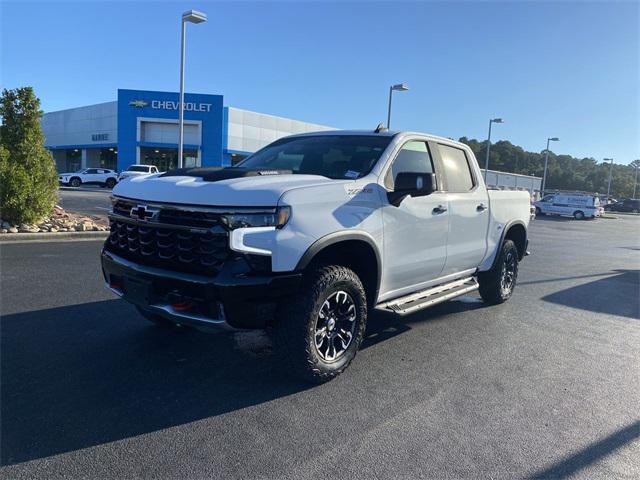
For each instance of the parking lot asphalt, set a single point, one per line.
(544, 386)
(85, 200)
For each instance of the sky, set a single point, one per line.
(565, 69)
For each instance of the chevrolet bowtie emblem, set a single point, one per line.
(138, 103)
(142, 212)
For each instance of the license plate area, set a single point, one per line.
(137, 290)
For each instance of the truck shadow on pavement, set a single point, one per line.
(616, 294)
(82, 375)
(79, 376)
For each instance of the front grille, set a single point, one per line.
(202, 252)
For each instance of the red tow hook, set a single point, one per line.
(182, 306)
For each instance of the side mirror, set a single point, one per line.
(412, 184)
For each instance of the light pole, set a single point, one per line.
(400, 87)
(191, 16)
(486, 162)
(635, 181)
(610, 172)
(546, 162)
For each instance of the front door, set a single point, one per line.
(469, 211)
(415, 232)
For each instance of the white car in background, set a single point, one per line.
(138, 170)
(576, 205)
(101, 176)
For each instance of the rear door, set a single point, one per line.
(415, 232)
(103, 174)
(91, 175)
(468, 210)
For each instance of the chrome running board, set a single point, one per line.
(431, 296)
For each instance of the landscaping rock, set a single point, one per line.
(13, 230)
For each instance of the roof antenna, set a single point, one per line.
(381, 128)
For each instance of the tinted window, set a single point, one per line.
(92, 171)
(138, 168)
(413, 157)
(333, 156)
(456, 168)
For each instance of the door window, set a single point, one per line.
(413, 157)
(456, 168)
(91, 171)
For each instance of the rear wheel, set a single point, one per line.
(75, 182)
(319, 331)
(578, 215)
(497, 284)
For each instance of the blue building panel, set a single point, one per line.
(135, 104)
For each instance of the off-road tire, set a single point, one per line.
(296, 320)
(157, 319)
(490, 282)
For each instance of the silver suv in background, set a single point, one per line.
(138, 170)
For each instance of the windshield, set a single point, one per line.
(333, 156)
(138, 168)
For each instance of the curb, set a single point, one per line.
(85, 189)
(17, 237)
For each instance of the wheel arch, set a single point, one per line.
(517, 233)
(355, 250)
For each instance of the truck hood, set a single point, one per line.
(254, 191)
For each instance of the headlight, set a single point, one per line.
(272, 218)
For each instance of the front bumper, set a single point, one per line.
(227, 301)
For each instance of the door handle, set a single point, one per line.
(440, 209)
(481, 208)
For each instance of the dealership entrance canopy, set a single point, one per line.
(142, 127)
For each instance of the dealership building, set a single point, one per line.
(142, 127)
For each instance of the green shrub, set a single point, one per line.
(28, 178)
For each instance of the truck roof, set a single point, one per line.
(384, 133)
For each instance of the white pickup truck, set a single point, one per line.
(309, 234)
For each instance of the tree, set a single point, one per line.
(564, 171)
(28, 178)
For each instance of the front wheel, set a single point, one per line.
(75, 182)
(110, 183)
(497, 284)
(318, 332)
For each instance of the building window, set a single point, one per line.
(109, 158)
(167, 158)
(236, 158)
(73, 159)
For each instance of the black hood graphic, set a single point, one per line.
(216, 174)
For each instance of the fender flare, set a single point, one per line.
(337, 237)
(506, 228)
